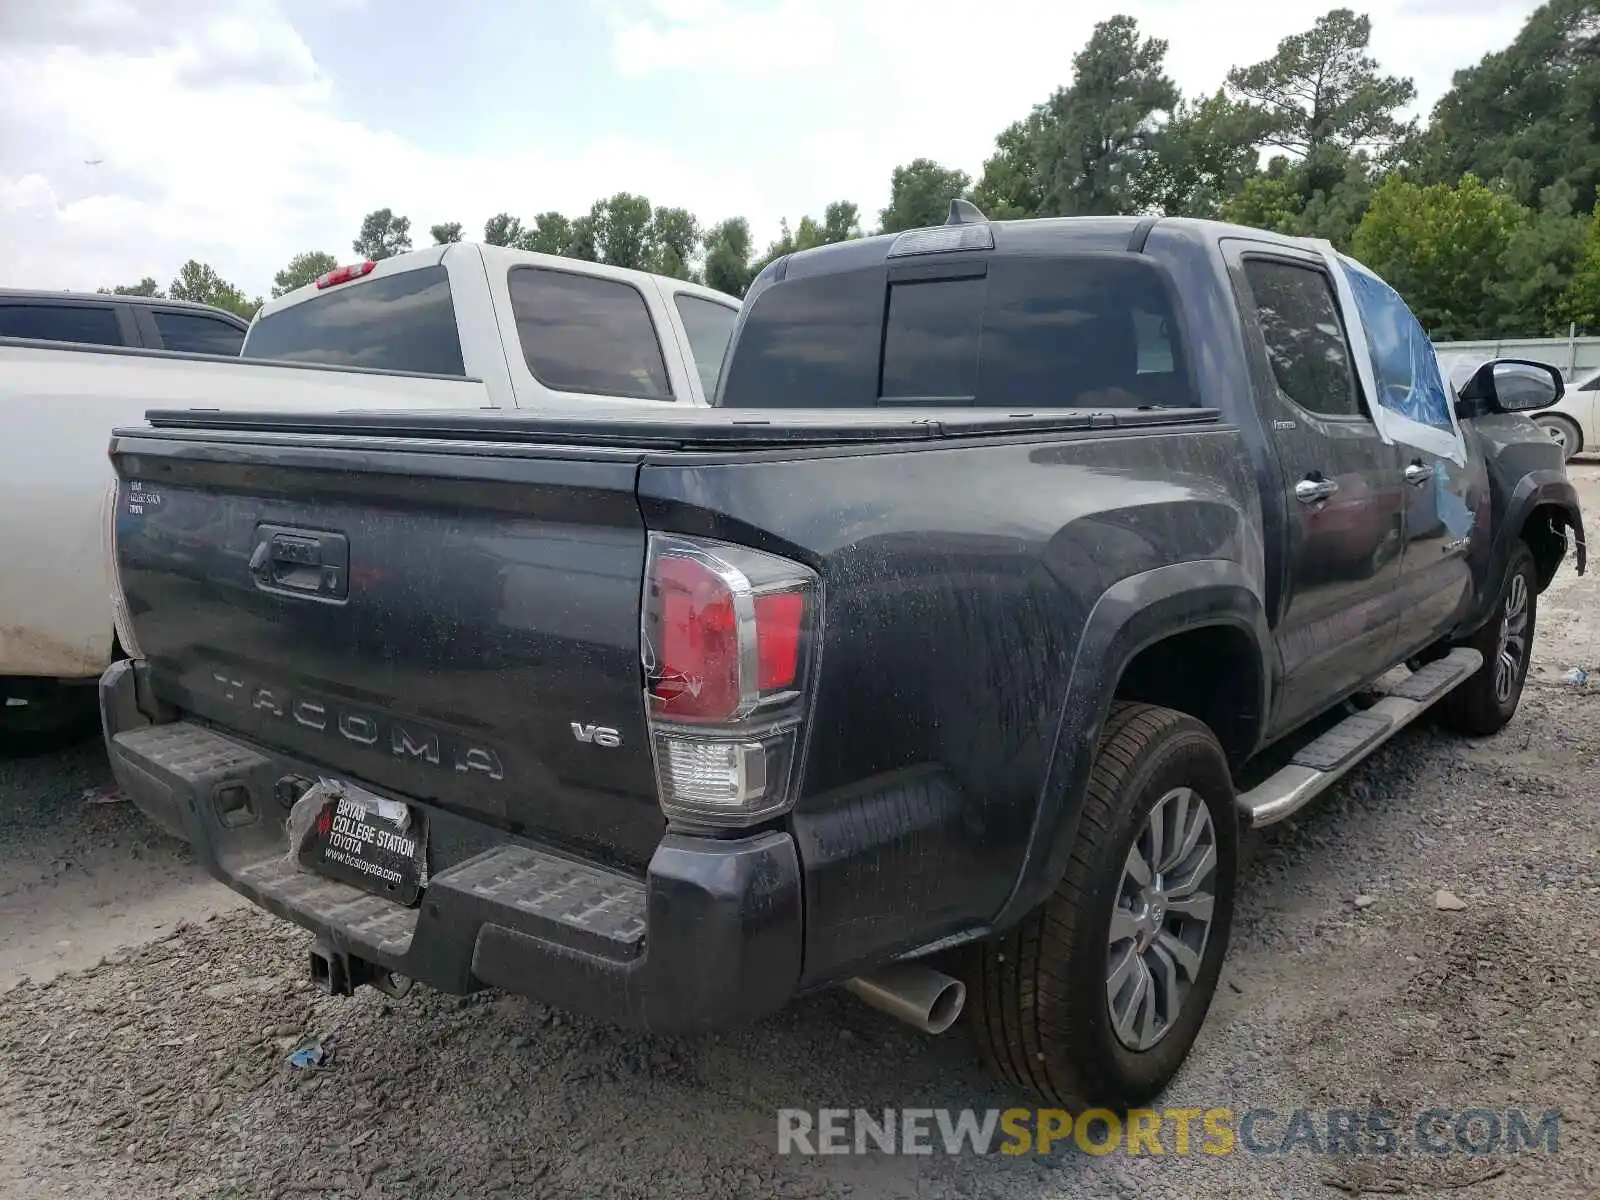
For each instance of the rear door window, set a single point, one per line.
(88, 324)
(196, 333)
(1006, 332)
(584, 334)
(400, 322)
(709, 326)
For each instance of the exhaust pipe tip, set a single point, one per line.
(923, 998)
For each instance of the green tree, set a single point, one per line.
(551, 234)
(1526, 114)
(145, 287)
(809, 234)
(584, 242)
(1203, 157)
(622, 230)
(1322, 89)
(446, 234)
(1267, 201)
(728, 248)
(1540, 264)
(1015, 182)
(383, 235)
(502, 229)
(1100, 133)
(303, 268)
(1441, 248)
(1324, 103)
(841, 222)
(674, 238)
(1580, 302)
(1336, 207)
(199, 282)
(1092, 147)
(919, 194)
(1276, 199)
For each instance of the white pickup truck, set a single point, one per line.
(460, 326)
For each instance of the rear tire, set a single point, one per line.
(41, 716)
(1057, 1000)
(1486, 702)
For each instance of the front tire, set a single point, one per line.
(1096, 998)
(1486, 702)
(1563, 431)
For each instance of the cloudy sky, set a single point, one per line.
(242, 131)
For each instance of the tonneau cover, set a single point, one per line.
(679, 428)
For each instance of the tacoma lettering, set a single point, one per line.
(410, 742)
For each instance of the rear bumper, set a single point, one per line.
(711, 935)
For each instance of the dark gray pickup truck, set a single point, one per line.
(1021, 568)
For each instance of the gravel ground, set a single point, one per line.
(161, 1071)
(82, 875)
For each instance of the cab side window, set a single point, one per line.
(86, 324)
(196, 333)
(1299, 318)
(580, 333)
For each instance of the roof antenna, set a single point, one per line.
(964, 212)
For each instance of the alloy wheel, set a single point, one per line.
(1161, 919)
(1512, 654)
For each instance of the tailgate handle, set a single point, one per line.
(301, 562)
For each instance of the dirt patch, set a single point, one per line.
(81, 878)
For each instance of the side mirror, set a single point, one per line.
(1511, 385)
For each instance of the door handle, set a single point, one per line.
(1312, 489)
(1417, 474)
(301, 561)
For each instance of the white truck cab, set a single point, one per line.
(536, 330)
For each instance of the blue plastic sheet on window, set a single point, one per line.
(1402, 356)
(1410, 400)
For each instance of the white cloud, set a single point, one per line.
(238, 155)
(222, 139)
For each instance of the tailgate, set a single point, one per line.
(451, 625)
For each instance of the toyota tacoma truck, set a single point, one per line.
(463, 326)
(1018, 569)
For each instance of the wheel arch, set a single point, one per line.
(1544, 530)
(1541, 511)
(1160, 637)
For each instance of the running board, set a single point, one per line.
(1321, 763)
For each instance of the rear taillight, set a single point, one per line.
(729, 643)
(345, 274)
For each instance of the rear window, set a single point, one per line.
(709, 326)
(580, 333)
(400, 322)
(1018, 333)
(194, 333)
(94, 325)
